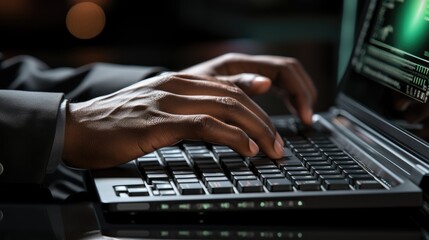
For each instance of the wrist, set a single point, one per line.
(70, 134)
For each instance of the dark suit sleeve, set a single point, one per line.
(30, 96)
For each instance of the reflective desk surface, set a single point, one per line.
(81, 218)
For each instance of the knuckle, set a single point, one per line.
(229, 103)
(292, 60)
(289, 63)
(172, 77)
(236, 91)
(233, 55)
(204, 122)
(165, 98)
(167, 80)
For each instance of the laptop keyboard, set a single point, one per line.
(312, 162)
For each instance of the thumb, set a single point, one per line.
(251, 84)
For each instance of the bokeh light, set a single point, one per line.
(85, 20)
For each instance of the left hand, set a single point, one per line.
(255, 75)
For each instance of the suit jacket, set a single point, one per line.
(30, 96)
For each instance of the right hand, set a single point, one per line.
(161, 111)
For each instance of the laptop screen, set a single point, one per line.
(389, 67)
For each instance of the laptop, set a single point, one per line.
(369, 151)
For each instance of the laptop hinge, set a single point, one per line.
(389, 156)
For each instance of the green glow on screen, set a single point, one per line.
(414, 20)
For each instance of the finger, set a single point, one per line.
(298, 94)
(216, 88)
(268, 66)
(416, 113)
(401, 104)
(251, 84)
(287, 73)
(209, 129)
(232, 112)
(305, 78)
(275, 64)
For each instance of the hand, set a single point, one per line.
(161, 111)
(414, 113)
(254, 75)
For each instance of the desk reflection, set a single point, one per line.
(251, 232)
(262, 225)
(85, 221)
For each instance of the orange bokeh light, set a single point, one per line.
(85, 20)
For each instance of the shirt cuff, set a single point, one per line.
(57, 146)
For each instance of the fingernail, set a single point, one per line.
(253, 147)
(260, 79)
(278, 148)
(309, 116)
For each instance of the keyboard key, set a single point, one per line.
(327, 172)
(241, 173)
(200, 156)
(246, 186)
(297, 173)
(287, 152)
(305, 150)
(302, 178)
(308, 185)
(279, 185)
(354, 177)
(314, 169)
(207, 175)
(182, 175)
(234, 165)
(325, 177)
(220, 187)
(147, 168)
(299, 168)
(368, 184)
(349, 167)
(328, 150)
(288, 162)
(181, 168)
(336, 184)
(163, 186)
(138, 191)
(147, 162)
(308, 155)
(343, 163)
(157, 176)
(335, 154)
(264, 177)
(259, 172)
(190, 188)
(224, 151)
(314, 159)
(167, 192)
(186, 180)
(120, 189)
(238, 178)
(354, 171)
(339, 158)
(312, 164)
(214, 179)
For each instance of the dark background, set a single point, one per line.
(180, 33)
